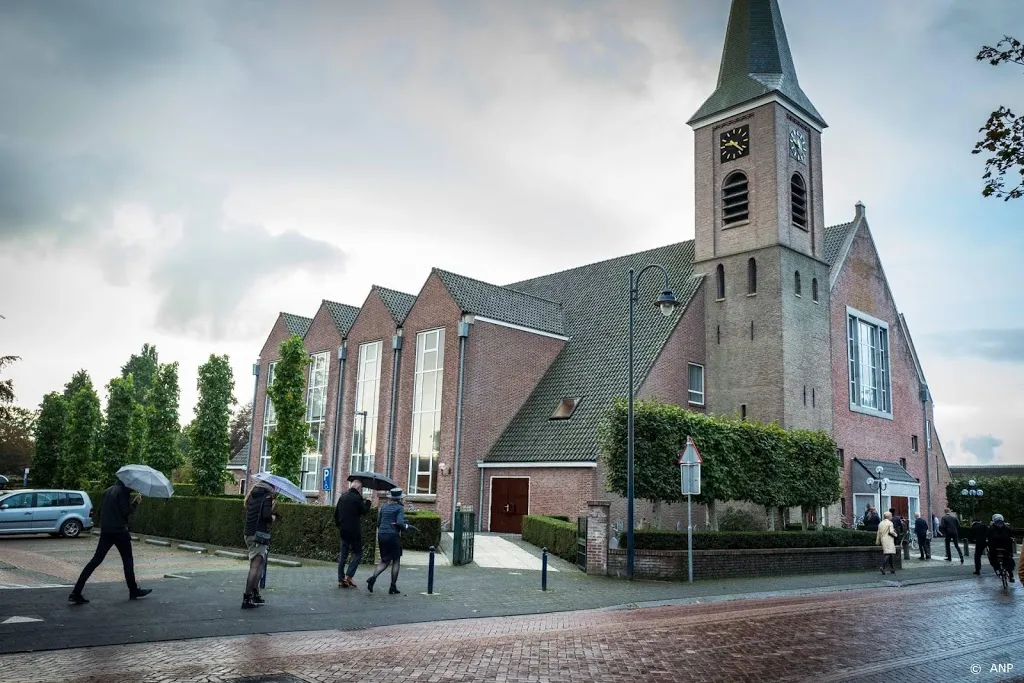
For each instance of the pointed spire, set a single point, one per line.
(756, 61)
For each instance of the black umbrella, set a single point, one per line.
(373, 481)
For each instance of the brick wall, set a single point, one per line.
(861, 285)
(323, 337)
(553, 490)
(732, 564)
(374, 323)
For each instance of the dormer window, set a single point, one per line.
(735, 199)
(798, 201)
(565, 409)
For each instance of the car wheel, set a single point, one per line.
(71, 528)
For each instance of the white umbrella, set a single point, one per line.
(146, 480)
(283, 486)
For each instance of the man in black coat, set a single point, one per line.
(117, 506)
(950, 528)
(871, 519)
(347, 516)
(978, 535)
(921, 530)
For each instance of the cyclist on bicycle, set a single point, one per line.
(1000, 538)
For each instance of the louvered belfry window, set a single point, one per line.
(798, 201)
(735, 199)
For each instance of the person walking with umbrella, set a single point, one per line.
(390, 521)
(117, 506)
(348, 518)
(260, 513)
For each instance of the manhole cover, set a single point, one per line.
(268, 678)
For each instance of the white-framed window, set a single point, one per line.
(316, 417)
(696, 383)
(870, 382)
(364, 425)
(425, 445)
(269, 421)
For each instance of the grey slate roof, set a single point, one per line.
(296, 324)
(891, 470)
(756, 61)
(343, 316)
(593, 364)
(398, 303)
(507, 304)
(239, 458)
(835, 235)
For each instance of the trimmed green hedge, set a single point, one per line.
(429, 534)
(559, 537)
(747, 540)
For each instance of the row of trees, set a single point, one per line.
(1003, 495)
(743, 460)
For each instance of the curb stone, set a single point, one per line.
(191, 548)
(157, 541)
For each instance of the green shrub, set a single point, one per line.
(429, 534)
(561, 518)
(558, 536)
(747, 540)
(738, 519)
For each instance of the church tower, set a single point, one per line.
(759, 231)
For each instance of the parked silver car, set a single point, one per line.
(45, 511)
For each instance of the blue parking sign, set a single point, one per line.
(327, 479)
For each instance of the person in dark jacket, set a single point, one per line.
(390, 521)
(348, 515)
(949, 527)
(117, 506)
(871, 519)
(978, 535)
(260, 513)
(1000, 541)
(921, 529)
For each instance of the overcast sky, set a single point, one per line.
(179, 172)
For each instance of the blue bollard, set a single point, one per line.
(544, 570)
(430, 573)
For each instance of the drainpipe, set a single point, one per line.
(252, 419)
(342, 357)
(396, 345)
(463, 335)
(927, 464)
(480, 507)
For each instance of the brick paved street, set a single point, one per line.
(933, 632)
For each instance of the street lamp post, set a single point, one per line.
(973, 493)
(667, 303)
(880, 483)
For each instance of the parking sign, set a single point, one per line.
(327, 479)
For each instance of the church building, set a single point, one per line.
(489, 395)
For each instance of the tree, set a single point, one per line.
(162, 451)
(81, 435)
(49, 439)
(143, 369)
(290, 439)
(115, 444)
(138, 433)
(241, 423)
(16, 445)
(1004, 132)
(6, 388)
(209, 438)
(78, 381)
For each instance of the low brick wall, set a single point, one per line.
(731, 564)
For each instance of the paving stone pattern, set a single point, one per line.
(933, 632)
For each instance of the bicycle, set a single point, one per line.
(1001, 570)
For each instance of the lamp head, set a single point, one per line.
(971, 483)
(878, 470)
(963, 492)
(667, 303)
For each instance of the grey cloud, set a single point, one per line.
(983, 447)
(1003, 346)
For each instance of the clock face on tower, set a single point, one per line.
(798, 144)
(734, 143)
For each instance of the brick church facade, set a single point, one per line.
(489, 395)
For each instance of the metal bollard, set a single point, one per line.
(544, 569)
(430, 573)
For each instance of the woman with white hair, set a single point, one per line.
(886, 537)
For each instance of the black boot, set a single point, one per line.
(394, 590)
(77, 599)
(139, 593)
(369, 583)
(247, 602)
(257, 599)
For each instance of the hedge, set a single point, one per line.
(301, 530)
(559, 537)
(747, 540)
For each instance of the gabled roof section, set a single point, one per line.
(592, 365)
(913, 350)
(890, 470)
(398, 303)
(343, 316)
(835, 235)
(506, 304)
(240, 457)
(296, 324)
(756, 61)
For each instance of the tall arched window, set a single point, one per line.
(814, 289)
(720, 281)
(796, 282)
(798, 201)
(751, 276)
(735, 199)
